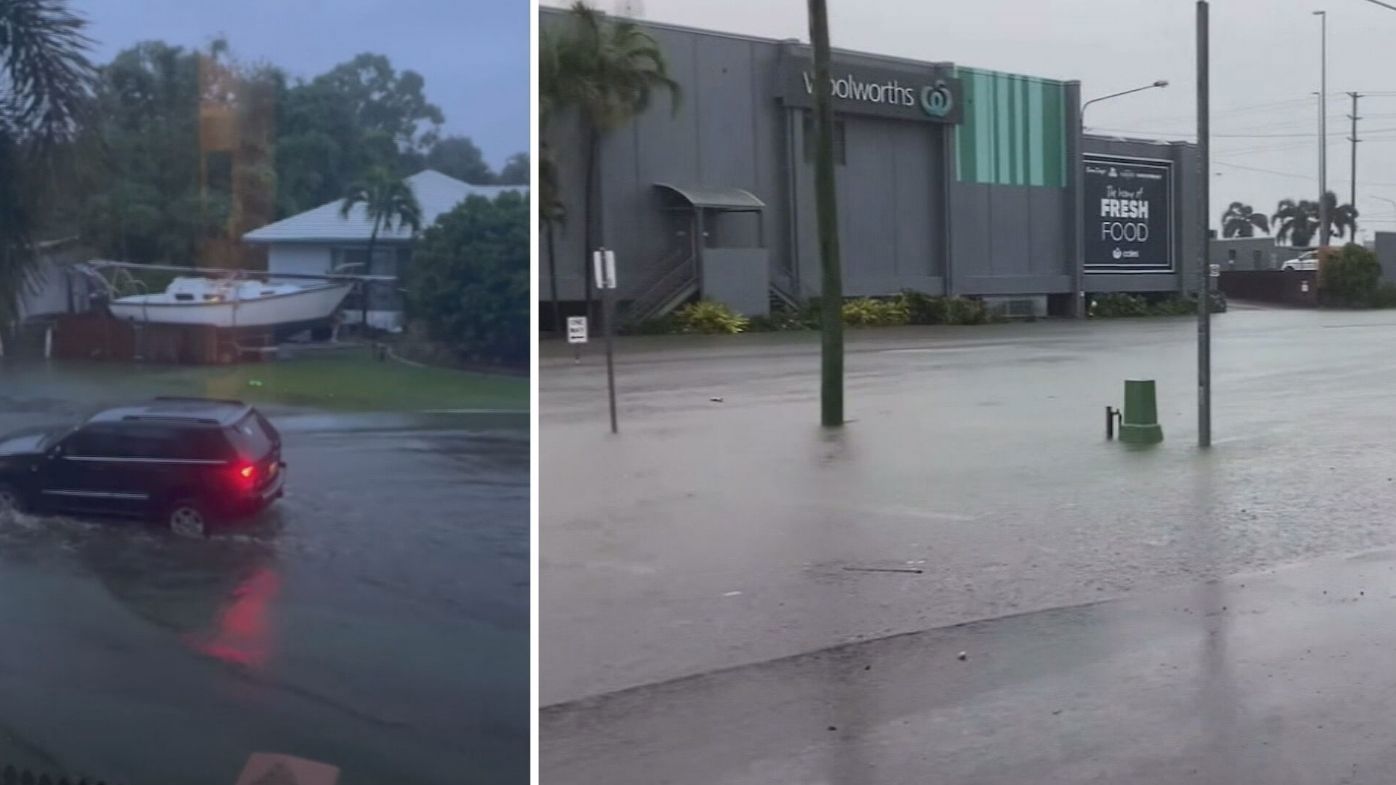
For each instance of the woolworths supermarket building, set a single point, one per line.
(951, 180)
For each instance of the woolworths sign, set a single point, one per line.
(929, 95)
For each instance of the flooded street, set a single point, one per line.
(376, 618)
(973, 483)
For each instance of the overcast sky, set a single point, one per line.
(1265, 72)
(474, 54)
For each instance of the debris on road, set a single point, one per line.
(963, 656)
(884, 569)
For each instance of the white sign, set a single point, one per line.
(604, 261)
(576, 329)
(1216, 271)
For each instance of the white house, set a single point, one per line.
(320, 240)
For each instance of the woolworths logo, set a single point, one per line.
(935, 100)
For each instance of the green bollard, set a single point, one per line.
(1140, 422)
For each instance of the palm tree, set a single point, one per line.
(1295, 222)
(607, 72)
(388, 201)
(1240, 220)
(45, 82)
(551, 210)
(1340, 216)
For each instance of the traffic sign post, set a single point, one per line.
(577, 334)
(604, 262)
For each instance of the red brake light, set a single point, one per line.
(246, 475)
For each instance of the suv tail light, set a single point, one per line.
(246, 475)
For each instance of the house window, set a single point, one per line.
(840, 141)
(1256, 259)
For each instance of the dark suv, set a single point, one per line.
(187, 462)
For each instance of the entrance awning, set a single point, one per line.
(728, 199)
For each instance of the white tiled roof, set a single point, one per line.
(435, 192)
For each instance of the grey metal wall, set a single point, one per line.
(726, 132)
(1386, 254)
(906, 221)
(1188, 239)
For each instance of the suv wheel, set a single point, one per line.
(187, 518)
(10, 500)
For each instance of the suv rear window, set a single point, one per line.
(251, 437)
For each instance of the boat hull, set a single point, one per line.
(306, 307)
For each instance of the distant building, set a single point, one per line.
(1249, 253)
(57, 286)
(320, 241)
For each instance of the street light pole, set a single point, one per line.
(1323, 130)
(1204, 271)
(1158, 83)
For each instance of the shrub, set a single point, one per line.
(1121, 305)
(468, 281)
(662, 325)
(707, 317)
(923, 308)
(1385, 296)
(869, 312)
(963, 310)
(1350, 278)
(1112, 306)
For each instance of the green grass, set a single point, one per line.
(345, 383)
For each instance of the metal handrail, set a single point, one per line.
(676, 256)
(642, 307)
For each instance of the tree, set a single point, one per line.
(142, 192)
(1350, 277)
(459, 157)
(388, 202)
(384, 101)
(1295, 222)
(551, 210)
(1299, 221)
(608, 73)
(469, 280)
(515, 171)
(1240, 220)
(334, 128)
(45, 84)
(1341, 217)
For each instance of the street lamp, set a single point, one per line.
(1158, 83)
(1323, 130)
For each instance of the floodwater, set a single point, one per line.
(974, 482)
(376, 618)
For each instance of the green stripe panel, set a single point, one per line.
(1012, 132)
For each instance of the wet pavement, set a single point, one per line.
(376, 618)
(1278, 679)
(974, 483)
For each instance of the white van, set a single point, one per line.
(1304, 261)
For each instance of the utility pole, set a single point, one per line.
(1352, 200)
(831, 287)
(1323, 131)
(1204, 268)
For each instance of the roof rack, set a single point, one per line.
(197, 399)
(170, 418)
